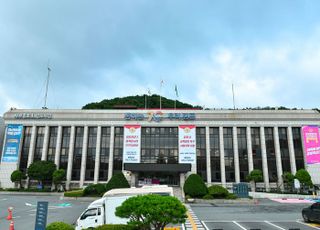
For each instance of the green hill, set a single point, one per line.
(137, 101)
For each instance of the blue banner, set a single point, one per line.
(41, 216)
(12, 144)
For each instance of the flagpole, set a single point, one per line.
(234, 106)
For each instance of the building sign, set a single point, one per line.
(33, 116)
(131, 143)
(311, 140)
(41, 216)
(159, 116)
(187, 144)
(12, 144)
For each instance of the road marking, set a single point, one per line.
(4, 199)
(306, 224)
(240, 226)
(274, 225)
(204, 225)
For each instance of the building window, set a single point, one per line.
(25, 149)
(228, 154)
(91, 153)
(104, 153)
(118, 150)
(271, 154)
(284, 149)
(201, 153)
(298, 151)
(64, 148)
(77, 153)
(159, 145)
(39, 144)
(215, 155)
(243, 153)
(53, 133)
(256, 148)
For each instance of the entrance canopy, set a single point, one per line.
(138, 167)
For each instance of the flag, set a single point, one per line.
(161, 83)
(149, 92)
(176, 90)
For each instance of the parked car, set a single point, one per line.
(312, 213)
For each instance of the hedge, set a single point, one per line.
(59, 226)
(74, 193)
(194, 186)
(117, 181)
(94, 190)
(218, 191)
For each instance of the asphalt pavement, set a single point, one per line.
(24, 210)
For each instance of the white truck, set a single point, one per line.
(102, 211)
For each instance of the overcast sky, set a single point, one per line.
(269, 50)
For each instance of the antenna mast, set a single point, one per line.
(47, 84)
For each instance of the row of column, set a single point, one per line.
(250, 156)
(71, 152)
(222, 158)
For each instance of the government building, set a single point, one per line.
(222, 146)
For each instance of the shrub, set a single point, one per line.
(117, 181)
(218, 191)
(59, 226)
(194, 186)
(94, 190)
(116, 227)
(231, 196)
(58, 176)
(207, 197)
(18, 176)
(74, 193)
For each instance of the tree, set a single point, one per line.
(41, 171)
(288, 179)
(304, 178)
(194, 186)
(58, 176)
(18, 176)
(152, 211)
(117, 181)
(255, 176)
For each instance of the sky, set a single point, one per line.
(269, 50)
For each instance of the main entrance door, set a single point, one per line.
(149, 178)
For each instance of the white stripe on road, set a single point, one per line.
(240, 226)
(205, 226)
(274, 225)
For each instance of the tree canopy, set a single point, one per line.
(138, 101)
(41, 171)
(152, 211)
(18, 176)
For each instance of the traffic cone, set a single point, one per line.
(9, 217)
(11, 227)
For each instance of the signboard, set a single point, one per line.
(131, 144)
(33, 116)
(11, 148)
(187, 144)
(158, 116)
(41, 216)
(311, 140)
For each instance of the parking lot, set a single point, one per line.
(266, 215)
(24, 210)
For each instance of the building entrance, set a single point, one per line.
(150, 178)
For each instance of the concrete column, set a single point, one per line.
(45, 143)
(208, 155)
(278, 157)
(264, 159)
(291, 151)
(58, 147)
(110, 169)
(222, 162)
(249, 147)
(97, 160)
(84, 156)
(236, 154)
(32, 145)
(70, 156)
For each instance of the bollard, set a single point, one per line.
(9, 217)
(11, 227)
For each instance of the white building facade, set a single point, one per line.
(88, 144)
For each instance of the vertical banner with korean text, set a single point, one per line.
(12, 143)
(311, 141)
(131, 143)
(187, 144)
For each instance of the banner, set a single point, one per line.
(187, 144)
(311, 140)
(131, 144)
(12, 144)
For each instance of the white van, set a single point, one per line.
(102, 211)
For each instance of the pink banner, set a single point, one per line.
(311, 140)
